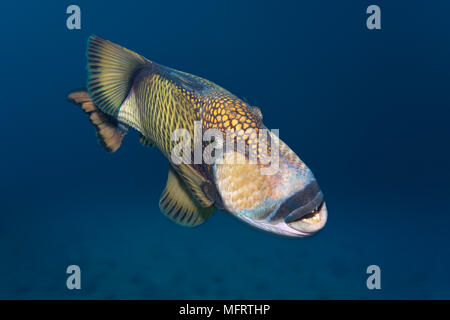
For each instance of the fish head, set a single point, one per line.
(281, 197)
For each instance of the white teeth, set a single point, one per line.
(314, 219)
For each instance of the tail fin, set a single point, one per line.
(110, 132)
(111, 68)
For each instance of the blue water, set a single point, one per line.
(366, 110)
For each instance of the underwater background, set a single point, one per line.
(367, 110)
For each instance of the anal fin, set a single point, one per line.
(178, 205)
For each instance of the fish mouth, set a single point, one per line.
(304, 213)
(304, 226)
(308, 211)
(308, 222)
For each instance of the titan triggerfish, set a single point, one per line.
(254, 176)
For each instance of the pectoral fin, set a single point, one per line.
(201, 189)
(178, 205)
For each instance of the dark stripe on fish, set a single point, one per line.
(301, 203)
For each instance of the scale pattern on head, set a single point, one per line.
(247, 192)
(168, 99)
(232, 116)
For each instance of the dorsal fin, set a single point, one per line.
(111, 70)
(110, 132)
(177, 203)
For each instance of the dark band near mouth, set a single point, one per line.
(300, 204)
(309, 209)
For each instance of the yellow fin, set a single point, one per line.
(179, 206)
(111, 70)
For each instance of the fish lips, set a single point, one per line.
(308, 209)
(305, 210)
(311, 226)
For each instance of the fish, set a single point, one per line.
(254, 176)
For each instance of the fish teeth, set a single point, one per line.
(314, 219)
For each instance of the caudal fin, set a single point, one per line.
(111, 69)
(110, 132)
